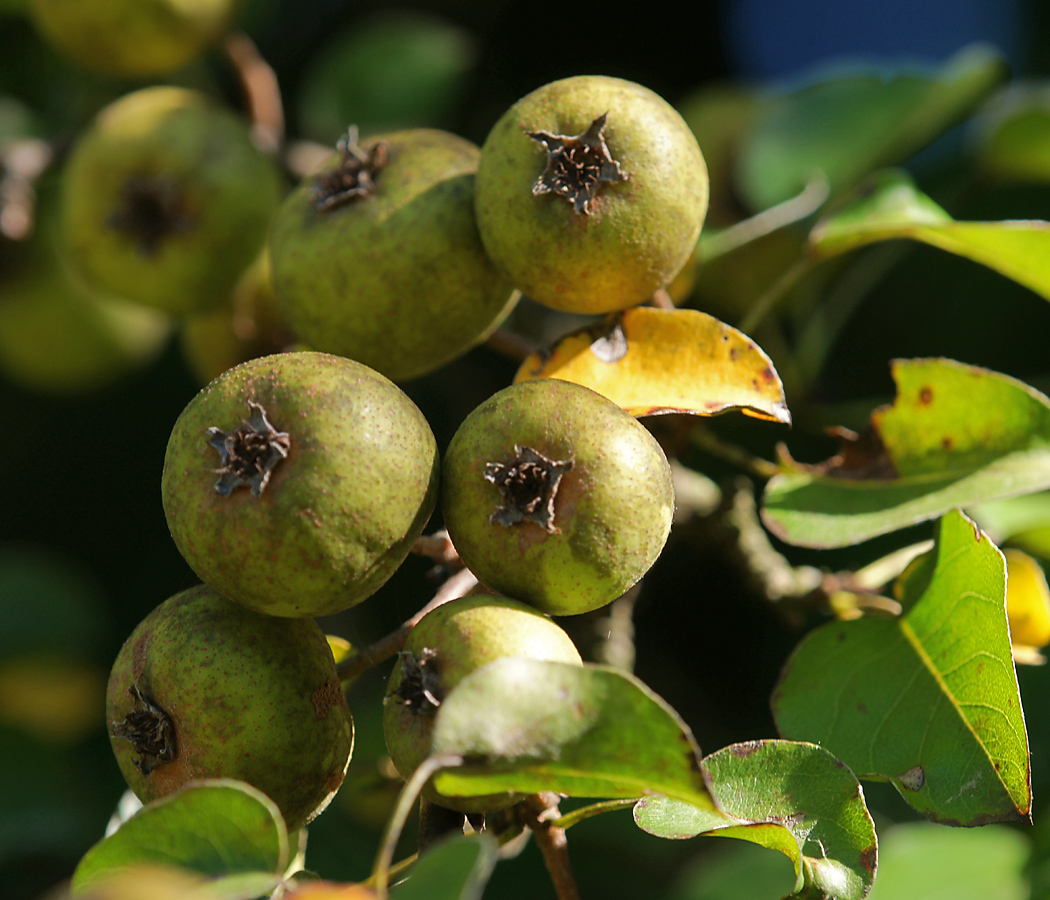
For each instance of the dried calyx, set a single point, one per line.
(150, 731)
(250, 454)
(577, 165)
(355, 176)
(528, 485)
(419, 689)
(152, 208)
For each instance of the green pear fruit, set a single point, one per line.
(296, 483)
(448, 644)
(556, 496)
(204, 688)
(131, 38)
(591, 192)
(166, 200)
(378, 257)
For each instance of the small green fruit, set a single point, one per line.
(591, 192)
(554, 495)
(296, 484)
(131, 38)
(166, 200)
(204, 688)
(448, 644)
(378, 257)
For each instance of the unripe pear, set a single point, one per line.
(131, 38)
(448, 644)
(296, 483)
(378, 257)
(166, 200)
(554, 495)
(591, 192)
(204, 688)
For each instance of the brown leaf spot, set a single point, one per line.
(869, 857)
(913, 779)
(862, 708)
(926, 395)
(746, 748)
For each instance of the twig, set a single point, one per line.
(261, 91)
(775, 293)
(510, 345)
(705, 439)
(21, 163)
(662, 300)
(769, 220)
(438, 547)
(456, 586)
(537, 812)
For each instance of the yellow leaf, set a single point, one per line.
(1027, 603)
(653, 361)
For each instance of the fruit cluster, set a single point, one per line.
(296, 483)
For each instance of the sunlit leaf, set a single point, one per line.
(587, 731)
(456, 869)
(853, 122)
(1027, 605)
(664, 361)
(928, 701)
(1014, 138)
(1020, 250)
(921, 861)
(218, 827)
(956, 436)
(792, 797)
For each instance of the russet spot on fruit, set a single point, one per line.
(204, 688)
(448, 644)
(295, 484)
(591, 192)
(554, 495)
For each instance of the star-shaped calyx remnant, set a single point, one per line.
(577, 165)
(150, 731)
(250, 454)
(528, 485)
(152, 208)
(355, 177)
(419, 689)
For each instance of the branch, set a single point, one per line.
(537, 811)
(458, 585)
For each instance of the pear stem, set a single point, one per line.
(458, 585)
(261, 90)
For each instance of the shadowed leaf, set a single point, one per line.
(455, 869)
(219, 827)
(928, 701)
(653, 361)
(528, 726)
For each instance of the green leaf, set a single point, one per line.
(1014, 142)
(215, 827)
(456, 869)
(956, 436)
(739, 871)
(895, 208)
(847, 126)
(586, 731)
(928, 701)
(920, 860)
(793, 797)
